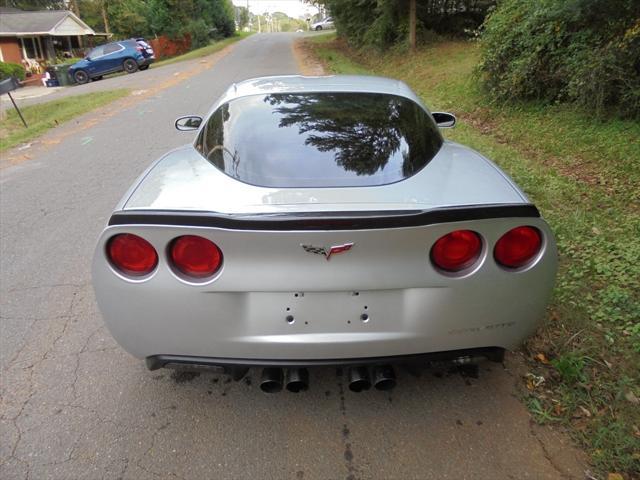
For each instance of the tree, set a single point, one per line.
(200, 19)
(105, 16)
(89, 12)
(243, 17)
(36, 4)
(382, 23)
(128, 17)
(412, 24)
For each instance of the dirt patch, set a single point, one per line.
(308, 62)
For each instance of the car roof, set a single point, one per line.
(329, 83)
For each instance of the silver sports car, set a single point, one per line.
(322, 221)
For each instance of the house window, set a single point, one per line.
(31, 47)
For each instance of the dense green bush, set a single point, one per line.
(199, 33)
(173, 18)
(581, 51)
(11, 70)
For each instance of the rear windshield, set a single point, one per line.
(320, 139)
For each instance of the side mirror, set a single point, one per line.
(188, 122)
(444, 119)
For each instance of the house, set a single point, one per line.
(31, 38)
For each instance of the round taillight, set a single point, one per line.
(131, 254)
(518, 247)
(456, 251)
(195, 256)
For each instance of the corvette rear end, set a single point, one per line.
(322, 221)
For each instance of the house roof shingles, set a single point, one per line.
(40, 22)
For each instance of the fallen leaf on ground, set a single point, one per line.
(586, 412)
(541, 357)
(631, 397)
(534, 381)
(615, 476)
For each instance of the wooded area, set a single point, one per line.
(585, 52)
(200, 19)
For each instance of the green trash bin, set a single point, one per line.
(62, 74)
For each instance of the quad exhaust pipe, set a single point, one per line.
(271, 380)
(359, 380)
(293, 379)
(381, 377)
(296, 379)
(384, 377)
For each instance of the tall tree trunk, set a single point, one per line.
(105, 17)
(74, 7)
(412, 24)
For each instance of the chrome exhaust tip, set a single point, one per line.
(384, 377)
(296, 379)
(359, 379)
(271, 380)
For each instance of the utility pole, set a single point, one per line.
(412, 25)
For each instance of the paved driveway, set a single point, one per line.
(75, 406)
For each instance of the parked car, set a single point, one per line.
(322, 221)
(126, 55)
(323, 24)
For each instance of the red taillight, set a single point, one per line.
(456, 251)
(518, 247)
(131, 254)
(195, 256)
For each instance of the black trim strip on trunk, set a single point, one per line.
(155, 362)
(322, 220)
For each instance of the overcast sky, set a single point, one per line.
(293, 8)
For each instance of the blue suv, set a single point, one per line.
(126, 55)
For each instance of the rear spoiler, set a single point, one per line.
(364, 220)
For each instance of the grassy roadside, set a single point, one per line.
(44, 116)
(204, 51)
(583, 173)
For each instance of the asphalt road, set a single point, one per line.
(75, 406)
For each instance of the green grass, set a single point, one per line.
(45, 116)
(584, 174)
(204, 51)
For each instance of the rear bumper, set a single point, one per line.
(154, 362)
(274, 302)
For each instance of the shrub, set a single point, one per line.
(581, 51)
(199, 33)
(11, 70)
